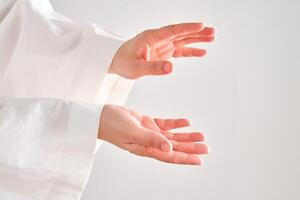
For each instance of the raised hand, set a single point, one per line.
(148, 52)
(151, 137)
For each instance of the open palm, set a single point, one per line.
(151, 137)
(148, 52)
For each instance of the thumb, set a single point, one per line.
(154, 139)
(159, 67)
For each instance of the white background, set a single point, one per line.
(244, 95)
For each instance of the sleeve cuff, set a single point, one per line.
(47, 147)
(78, 154)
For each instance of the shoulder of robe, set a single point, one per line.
(43, 6)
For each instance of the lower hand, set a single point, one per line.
(151, 137)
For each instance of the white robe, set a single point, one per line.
(53, 85)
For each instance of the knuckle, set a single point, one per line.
(154, 68)
(158, 64)
(172, 28)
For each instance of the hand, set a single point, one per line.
(148, 52)
(151, 137)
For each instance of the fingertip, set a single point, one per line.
(209, 31)
(200, 136)
(212, 38)
(182, 122)
(185, 119)
(212, 30)
(200, 148)
(201, 25)
(199, 161)
(199, 52)
(204, 52)
(197, 137)
(208, 149)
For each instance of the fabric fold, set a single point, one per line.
(53, 85)
(47, 147)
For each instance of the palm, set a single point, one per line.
(185, 145)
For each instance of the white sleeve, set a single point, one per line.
(53, 79)
(46, 147)
(44, 54)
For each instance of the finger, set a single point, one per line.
(174, 30)
(185, 137)
(153, 139)
(192, 40)
(160, 67)
(189, 52)
(175, 157)
(206, 32)
(167, 124)
(190, 147)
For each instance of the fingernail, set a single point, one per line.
(165, 147)
(167, 68)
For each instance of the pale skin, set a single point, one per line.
(148, 53)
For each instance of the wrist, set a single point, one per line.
(111, 70)
(112, 66)
(101, 128)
